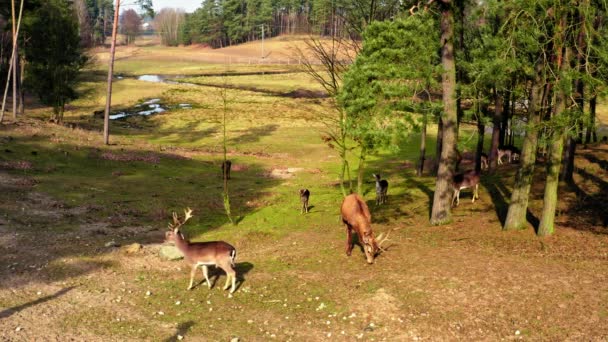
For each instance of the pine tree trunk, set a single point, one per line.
(15, 61)
(547, 220)
(21, 88)
(361, 172)
(480, 135)
(546, 226)
(439, 144)
(106, 118)
(422, 146)
(518, 207)
(440, 213)
(592, 108)
(496, 131)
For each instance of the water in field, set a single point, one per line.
(149, 107)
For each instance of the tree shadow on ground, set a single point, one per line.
(252, 135)
(98, 195)
(11, 311)
(589, 208)
(182, 330)
(499, 193)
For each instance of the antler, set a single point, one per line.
(176, 221)
(381, 240)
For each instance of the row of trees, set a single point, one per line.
(227, 22)
(47, 52)
(541, 61)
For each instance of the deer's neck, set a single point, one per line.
(180, 242)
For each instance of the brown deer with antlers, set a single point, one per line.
(203, 254)
(356, 216)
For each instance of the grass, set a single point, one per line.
(466, 280)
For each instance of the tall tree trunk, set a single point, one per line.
(551, 185)
(361, 172)
(591, 129)
(518, 207)
(504, 126)
(15, 61)
(106, 117)
(441, 212)
(21, 88)
(547, 220)
(480, 136)
(496, 130)
(422, 146)
(439, 144)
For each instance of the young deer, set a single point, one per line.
(511, 152)
(304, 196)
(356, 216)
(381, 189)
(226, 169)
(484, 161)
(467, 179)
(204, 254)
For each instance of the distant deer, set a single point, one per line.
(226, 165)
(356, 216)
(511, 152)
(204, 254)
(381, 189)
(467, 179)
(484, 161)
(304, 196)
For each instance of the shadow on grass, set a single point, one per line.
(499, 193)
(97, 195)
(590, 208)
(182, 330)
(11, 311)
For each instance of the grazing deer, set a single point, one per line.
(467, 179)
(304, 196)
(204, 254)
(381, 189)
(511, 152)
(226, 165)
(484, 161)
(356, 216)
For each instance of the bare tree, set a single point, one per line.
(130, 25)
(167, 23)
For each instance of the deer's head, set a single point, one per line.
(372, 246)
(174, 227)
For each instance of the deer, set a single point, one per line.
(203, 254)
(381, 189)
(356, 216)
(467, 179)
(511, 152)
(304, 196)
(484, 161)
(226, 165)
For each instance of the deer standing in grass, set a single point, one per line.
(203, 254)
(381, 189)
(467, 179)
(356, 216)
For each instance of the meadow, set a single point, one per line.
(71, 210)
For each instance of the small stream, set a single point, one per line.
(152, 106)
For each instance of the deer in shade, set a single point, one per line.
(357, 218)
(465, 180)
(381, 189)
(304, 196)
(226, 165)
(203, 254)
(484, 161)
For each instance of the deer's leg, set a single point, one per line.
(192, 274)
(349, 240)
(454, 197)
(206, 274)
(306, 205)
(476, 193)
